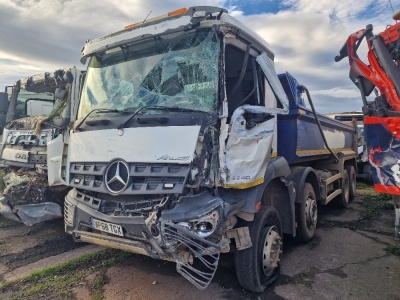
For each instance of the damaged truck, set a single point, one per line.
(188, 145)
(35, 119)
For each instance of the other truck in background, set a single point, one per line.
(382, 114)
(39, 111)
(204, 149)
(363, 166)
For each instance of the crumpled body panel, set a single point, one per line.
(248, 148)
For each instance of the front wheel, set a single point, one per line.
(258, 267)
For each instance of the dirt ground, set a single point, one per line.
(354, 255)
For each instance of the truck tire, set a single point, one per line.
(352, 182)
(259, 266)
(306, 214)
(343, 199)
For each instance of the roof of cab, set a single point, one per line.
(178, 20)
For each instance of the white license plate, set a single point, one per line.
(107, 227)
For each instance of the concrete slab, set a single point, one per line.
(335, 248)
(375, 279)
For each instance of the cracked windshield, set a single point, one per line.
(179, 71)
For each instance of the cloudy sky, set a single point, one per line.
(44, 35)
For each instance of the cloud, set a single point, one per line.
(305, 35)
(45, 33)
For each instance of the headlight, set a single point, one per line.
(204, 226)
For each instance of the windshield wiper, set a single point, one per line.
(166, 108)
(99, 110)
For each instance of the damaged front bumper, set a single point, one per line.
(30, 214)
(190, 234)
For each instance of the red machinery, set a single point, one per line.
(381, 115)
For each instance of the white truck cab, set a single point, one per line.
(35, 126)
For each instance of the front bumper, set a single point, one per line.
(137, 237)
(174, 242)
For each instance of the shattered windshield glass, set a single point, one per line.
(179, 70)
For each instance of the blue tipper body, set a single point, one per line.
(299, 138)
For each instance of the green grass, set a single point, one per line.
(4, 223)
(57, 281)
(374, 203)
(394, 249)
(363, 186)
(98, 282)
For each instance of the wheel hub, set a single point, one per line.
(311, 212)
(272, 251)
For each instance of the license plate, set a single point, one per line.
(107, 227)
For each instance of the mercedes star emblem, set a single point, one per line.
(117, 176)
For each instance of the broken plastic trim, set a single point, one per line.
(206, 253)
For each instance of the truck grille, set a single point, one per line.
(143, 178)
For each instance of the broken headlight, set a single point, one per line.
(204, 226)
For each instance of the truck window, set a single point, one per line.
(249, 90)
(24, 97)
(177, 70)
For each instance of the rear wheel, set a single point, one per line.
(353, 181)
(306, 214)
(343, 199)
(257, 267)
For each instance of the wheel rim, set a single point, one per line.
(311, 212)
(272, 250)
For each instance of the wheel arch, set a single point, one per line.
(300, 175)
(275, 178)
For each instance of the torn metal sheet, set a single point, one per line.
(31, 214)
(248, 148)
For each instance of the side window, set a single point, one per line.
(244, 82)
